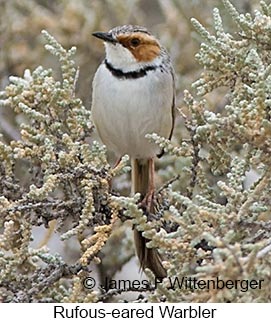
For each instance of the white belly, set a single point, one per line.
(125, 110)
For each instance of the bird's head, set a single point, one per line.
(129, 47)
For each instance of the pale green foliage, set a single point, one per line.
(67, 177)
(223, 223)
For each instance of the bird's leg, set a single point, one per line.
(115, 166)
(151, 182)
(148, 199)
(117, 162)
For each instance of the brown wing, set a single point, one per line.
(172, 115)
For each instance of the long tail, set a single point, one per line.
(149, 258)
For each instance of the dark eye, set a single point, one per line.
(134, 42)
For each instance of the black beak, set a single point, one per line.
(104, 36)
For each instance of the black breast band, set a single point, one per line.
(128, 75)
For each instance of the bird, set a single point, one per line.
(133, 94)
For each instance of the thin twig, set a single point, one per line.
(169, 182)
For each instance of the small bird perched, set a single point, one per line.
(134, 95)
